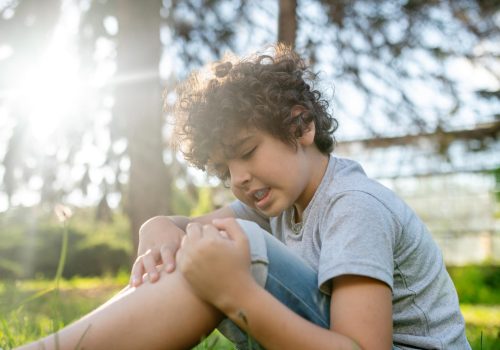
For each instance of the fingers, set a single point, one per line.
(137, 272)
(194, 231)
(150, 260)
(231, 228)
(168, 256)
(199, 238)
(145, 263)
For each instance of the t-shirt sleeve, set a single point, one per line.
(358, 235)
(243, 211)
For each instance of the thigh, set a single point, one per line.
(286, 276)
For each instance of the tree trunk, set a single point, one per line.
(287, 22)
(138, 105)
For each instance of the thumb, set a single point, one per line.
(231, 227)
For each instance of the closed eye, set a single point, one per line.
(248, 154)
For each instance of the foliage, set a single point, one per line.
(496, 174)
(184, 200)
(477, 284)
(477, 287)
(205, 202)
(30, 244)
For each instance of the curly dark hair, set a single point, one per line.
(259, 92)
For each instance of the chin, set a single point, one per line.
(270, 212)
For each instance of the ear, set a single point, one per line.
(307, 137)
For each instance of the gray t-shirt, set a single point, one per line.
(354, 225)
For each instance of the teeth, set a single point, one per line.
(260, 194)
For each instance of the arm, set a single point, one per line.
(361, 317)
(159, 240)
(361, 308)
(217, 268)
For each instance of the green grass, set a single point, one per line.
(483, 321)
(31, 309)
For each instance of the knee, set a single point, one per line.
(256, 240)
(258, 249)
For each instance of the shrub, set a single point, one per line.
(477, 284)
(30, 244)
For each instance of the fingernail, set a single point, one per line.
(152, 275)
(133, 281)
(170, 267)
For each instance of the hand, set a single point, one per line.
(215, 260)
(159, 241)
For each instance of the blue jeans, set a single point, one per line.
(286, 276)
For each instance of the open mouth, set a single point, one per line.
(261, 195)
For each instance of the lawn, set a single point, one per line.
(31, 309)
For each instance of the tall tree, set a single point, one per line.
(287, 22)
(137, 111)
(138, 106)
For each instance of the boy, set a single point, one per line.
(357, 268)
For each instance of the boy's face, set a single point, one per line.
(265, 173)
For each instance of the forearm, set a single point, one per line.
(276, 327)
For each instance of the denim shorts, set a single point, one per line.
(286, 276)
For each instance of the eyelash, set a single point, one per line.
(222, 172)
(249, 153)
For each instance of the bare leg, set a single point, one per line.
(163, 315)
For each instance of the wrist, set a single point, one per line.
(232, 301)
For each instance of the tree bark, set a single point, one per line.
(287, 22)
(138, 105)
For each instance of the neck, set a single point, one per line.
(317, 165)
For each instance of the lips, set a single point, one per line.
(261, 196)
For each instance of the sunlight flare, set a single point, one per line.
(51, 91)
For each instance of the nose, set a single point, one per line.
(240, 176)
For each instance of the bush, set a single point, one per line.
(477, 284)
(30, 244)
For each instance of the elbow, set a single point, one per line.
(156, 224)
